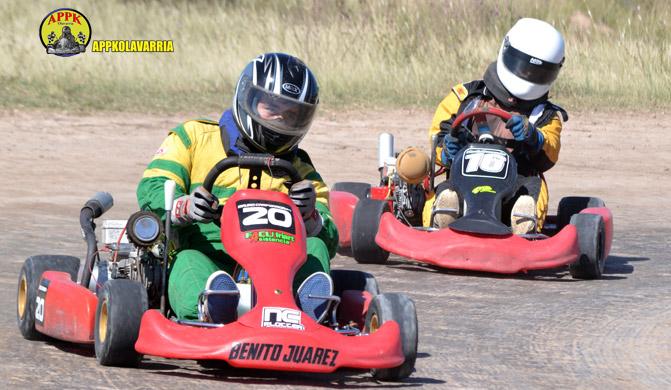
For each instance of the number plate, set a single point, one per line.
(263, 214)
(490, 163)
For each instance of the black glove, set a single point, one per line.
(200, 206)
(304, 196)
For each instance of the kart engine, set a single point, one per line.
(125, 260)
(408, 201)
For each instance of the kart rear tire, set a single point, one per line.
(571, 205)
(592, 242)
(121, 304)
(399, 308)
(365, 225)
(29, 279)
(345, 279)
(360, 190)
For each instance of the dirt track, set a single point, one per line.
(527, 331)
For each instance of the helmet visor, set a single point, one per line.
(280, 113)
(526, 67)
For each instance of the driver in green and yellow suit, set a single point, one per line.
(270, 114)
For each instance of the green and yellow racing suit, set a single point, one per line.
(186, 156)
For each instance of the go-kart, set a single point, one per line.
(119, 302)
(376, 221)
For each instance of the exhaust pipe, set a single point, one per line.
(98, 205)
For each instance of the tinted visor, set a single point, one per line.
(529, 68)
(280, 113)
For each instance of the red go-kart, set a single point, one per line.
(376, 221)
(119, 303)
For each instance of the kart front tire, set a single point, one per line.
(121, 304)
(360, 190)
(399, 308)
(365, 225)
(591, 239)
(345, 279)
(29, 279)
(571, 205)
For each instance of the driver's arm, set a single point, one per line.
(171, 161)
(329, 232)
(548, 156)
(446, 110)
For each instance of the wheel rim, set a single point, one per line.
(374, 323)
(23, 296)
(102, 322)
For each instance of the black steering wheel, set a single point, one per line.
(266, 162)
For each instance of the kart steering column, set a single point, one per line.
(168, 197)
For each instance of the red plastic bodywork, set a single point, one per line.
(162, 337)
(451, 249)
(69, 309)
(380, 193)
(354, 306)
(246, 342)
(342, 206)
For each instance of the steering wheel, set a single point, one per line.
(504, 115)
(267, 162)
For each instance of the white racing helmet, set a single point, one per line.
(531, 55)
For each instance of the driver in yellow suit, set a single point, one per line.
(517, 83)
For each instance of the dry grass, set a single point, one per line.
(365, 53)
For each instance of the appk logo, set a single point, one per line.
(65, 32)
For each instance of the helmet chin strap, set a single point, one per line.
(499, 92)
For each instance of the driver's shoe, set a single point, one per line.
(523, 216)
(221, 306)
(312, 295)
(446, 208)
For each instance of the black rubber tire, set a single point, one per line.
(121, 304)
(571, 205)
(360, 190)
(29, 279)
(400, 308)
(365, 224)
(345, 279)
(591, 237)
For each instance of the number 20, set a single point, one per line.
(263, 216)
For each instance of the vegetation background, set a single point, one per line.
(366, 54)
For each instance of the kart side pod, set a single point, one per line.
(64, 309)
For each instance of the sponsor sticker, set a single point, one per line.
(281, 317)
(291, 88)
(270, 236)
(300, 354)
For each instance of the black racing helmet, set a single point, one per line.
(275, 101)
